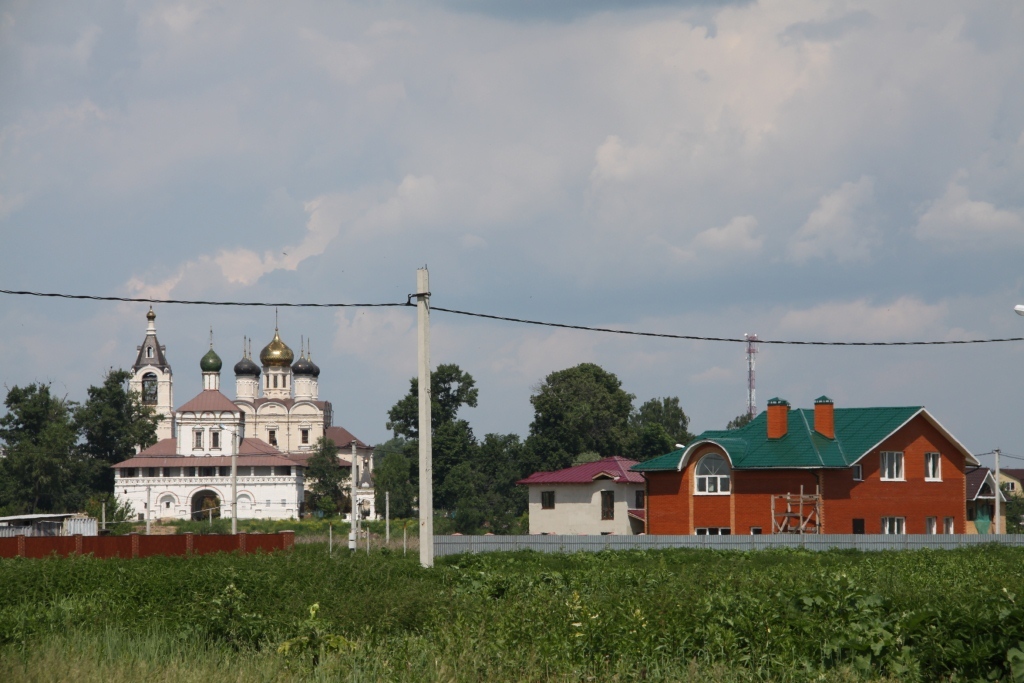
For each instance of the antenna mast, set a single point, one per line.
(751, 352)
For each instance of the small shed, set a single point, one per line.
(48, 524)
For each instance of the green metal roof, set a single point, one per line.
(858, 430)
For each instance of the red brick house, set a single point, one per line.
(826, 470)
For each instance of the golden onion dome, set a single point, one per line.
(276, 353)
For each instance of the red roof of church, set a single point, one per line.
(615, 468)
(342, 437)
(209, 400)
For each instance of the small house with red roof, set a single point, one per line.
(600, 497)
(826, 470)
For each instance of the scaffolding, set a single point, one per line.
(796, 513)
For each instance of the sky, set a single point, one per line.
(823, 171)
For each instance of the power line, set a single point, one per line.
(145, 300)
(522, 321)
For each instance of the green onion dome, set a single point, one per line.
(211, 361)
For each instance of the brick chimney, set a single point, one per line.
(778, 418)
(824, 417)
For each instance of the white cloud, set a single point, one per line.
(840, 227)
(904, 319)
(736, 235)
(957, 220)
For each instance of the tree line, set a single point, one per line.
(580, 414)
(56, 453)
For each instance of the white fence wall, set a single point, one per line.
(453, 545)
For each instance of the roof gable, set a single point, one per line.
(615, 468)
(210, 400)
(858, 432)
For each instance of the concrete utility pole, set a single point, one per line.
(237, 442)
(426, 500)
(353, 475)
(998, 495)
(149, 508)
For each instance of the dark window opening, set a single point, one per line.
(639, 500)
(273, 437)
(607, 504)
(547, 500)
(149, 393)
(305, 436)
(858, 526)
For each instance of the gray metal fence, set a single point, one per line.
(453, 545)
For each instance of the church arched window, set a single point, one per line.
(149, 392)
(149, 352)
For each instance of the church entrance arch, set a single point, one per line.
(203, 502)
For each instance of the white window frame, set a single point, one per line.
(214, 439)
(894, 525)
(948, 525)
(704, 483)
(891, 465)
(931, 525)
(858, 472)
(197, 439)
(713, 531)
(755, 531)
(932, 467)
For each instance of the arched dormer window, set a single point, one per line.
(713, 475)
(149, 394)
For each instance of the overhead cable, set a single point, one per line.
(522, 321)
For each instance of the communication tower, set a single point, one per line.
(751, 352)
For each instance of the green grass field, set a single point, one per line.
(654, 616)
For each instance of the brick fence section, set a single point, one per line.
(134, 545)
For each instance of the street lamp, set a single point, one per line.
(234, 477)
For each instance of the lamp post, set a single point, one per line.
(235, 446)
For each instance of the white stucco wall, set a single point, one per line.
(284, 493)
(578, 508)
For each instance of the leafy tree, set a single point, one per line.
(1014, 511)
(42, 470)
(328, 478)
(739, 421)
(114, 425)
(452, 440)
(450, 389)
(657, 427)
(392, 476)
(576, 410)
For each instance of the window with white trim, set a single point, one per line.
(947, 525)
(858, 473)
(932, 467)
(197, 439)
(713, 531)
(755, 531)
(214, 438)
(931, 525)
(892, 466)
(712, 475)
(894, 525)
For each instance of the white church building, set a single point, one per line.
(272, 426)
